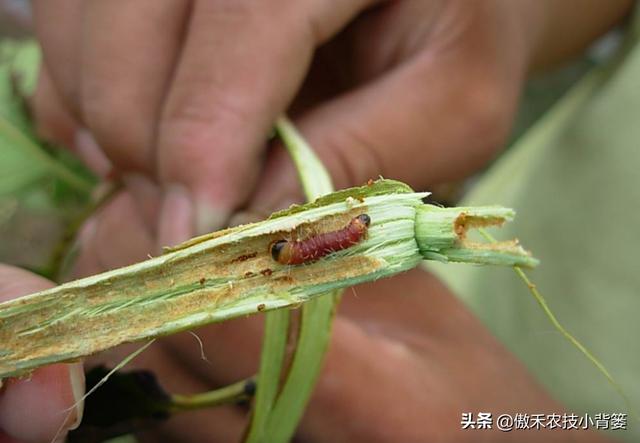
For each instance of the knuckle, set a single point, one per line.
(123, 131)
(191, 134)
(183, 145)
(194, 113)
(351, 155)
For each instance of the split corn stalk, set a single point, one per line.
(231, 273)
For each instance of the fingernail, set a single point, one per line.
(76, 377)
(89, 152)
(176, 215)
(147, 194)
(210, 218)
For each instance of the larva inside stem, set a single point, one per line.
(295, 252)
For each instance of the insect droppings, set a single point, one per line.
(297, 252)
(244, 257)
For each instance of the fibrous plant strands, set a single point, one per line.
(209, 279)
(441, 234)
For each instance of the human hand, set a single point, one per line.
(421, 95)
(42, 406)
(186, 92)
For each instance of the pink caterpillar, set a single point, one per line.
(296, 252)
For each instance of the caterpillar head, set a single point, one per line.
(364, 219)
(276, 249)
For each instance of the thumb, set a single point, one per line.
(423, 123)
(34, 408)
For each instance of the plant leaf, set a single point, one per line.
(22, 160)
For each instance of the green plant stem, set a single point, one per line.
(442, 234)
(224, 275)
(231, 394)
(573, 340)
(276, 418)
(271, 362)
(290, 406)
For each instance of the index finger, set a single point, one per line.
(241, 65)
